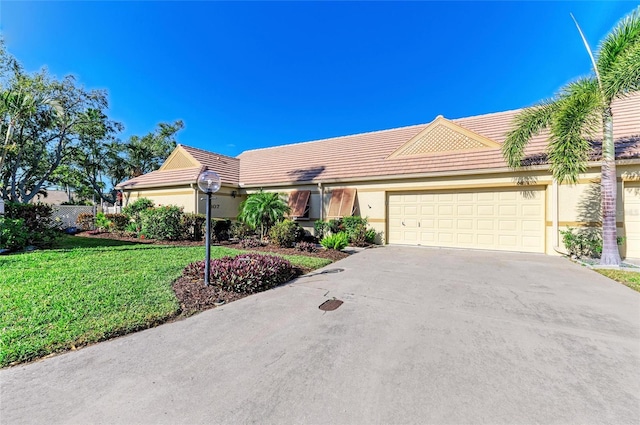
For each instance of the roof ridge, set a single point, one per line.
(335, 137)
(206, 151)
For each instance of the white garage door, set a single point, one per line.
(502, 219)
(632, 219)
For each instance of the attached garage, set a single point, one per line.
(632, 219)
(509, 219)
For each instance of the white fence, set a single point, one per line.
(68, 214)
(112, 210)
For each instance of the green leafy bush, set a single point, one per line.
(118, 221)
(336, 241)
(335, 226)
(134, 209)
(38, 219)
(245, 273)
(286, 233)
(163, 223)
(103, 224)
(193, 225)
(370, 236)
(240, 230)
(14, 234)
(584, 242)
(320, 228)
(220, 229)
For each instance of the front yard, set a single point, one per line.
(90, 290)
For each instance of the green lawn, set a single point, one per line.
(631, 279)
(90, 290)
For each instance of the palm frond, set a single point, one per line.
(527, 124)
(576, 120)
(614, 47)
(623, 76)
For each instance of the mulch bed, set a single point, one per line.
(329, 254)
(194, 296)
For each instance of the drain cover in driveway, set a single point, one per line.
(330, 305)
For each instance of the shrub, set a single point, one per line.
(319, 229)
(220, 229)
(245, 273)
(163, 223)
(584, 242)
(240, 230)
(118, 221)
(335, 225)
(85, 221)
(14, 234)
(134, 209)
(370, 235)
(262, 210)
(286, 233)
(337, 241)
(193, 225)
(353, 224)
(132, 227)
(252, 242)
(103, 223)
(38, 220)
(306, 247)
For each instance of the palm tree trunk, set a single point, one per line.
(6, 144)
(609, 190)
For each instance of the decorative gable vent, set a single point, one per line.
(179, 159)
(443, 136)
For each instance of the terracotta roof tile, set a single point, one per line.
(227, 167)
(366, 155)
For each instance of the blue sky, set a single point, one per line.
(246, 75)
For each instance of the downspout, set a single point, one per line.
(197, 204)
(555, 199)
(321, 201)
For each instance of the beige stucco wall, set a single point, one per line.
(578, 205)
(223, 204)
(183, 196)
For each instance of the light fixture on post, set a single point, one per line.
(209, 183)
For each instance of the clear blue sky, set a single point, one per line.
(246, 75)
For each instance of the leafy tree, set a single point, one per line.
(38, 119)
(56, 132)
(575, 115)
(147, 153)
(263, 209)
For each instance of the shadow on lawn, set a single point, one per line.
(71, 242)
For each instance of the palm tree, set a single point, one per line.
(263, 209)
(577, 113)
(20, 105)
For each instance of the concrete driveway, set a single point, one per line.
(423, 336)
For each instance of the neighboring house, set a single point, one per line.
(52, 197)
(439, 184)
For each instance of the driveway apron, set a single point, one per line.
(423, 336)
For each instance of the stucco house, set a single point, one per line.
(444, 183)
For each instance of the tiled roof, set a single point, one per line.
(227, 167)
(371, 155)
(367, 155)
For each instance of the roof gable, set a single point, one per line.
(179, 160)
(442, 136)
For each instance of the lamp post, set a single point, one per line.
(209, 183)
